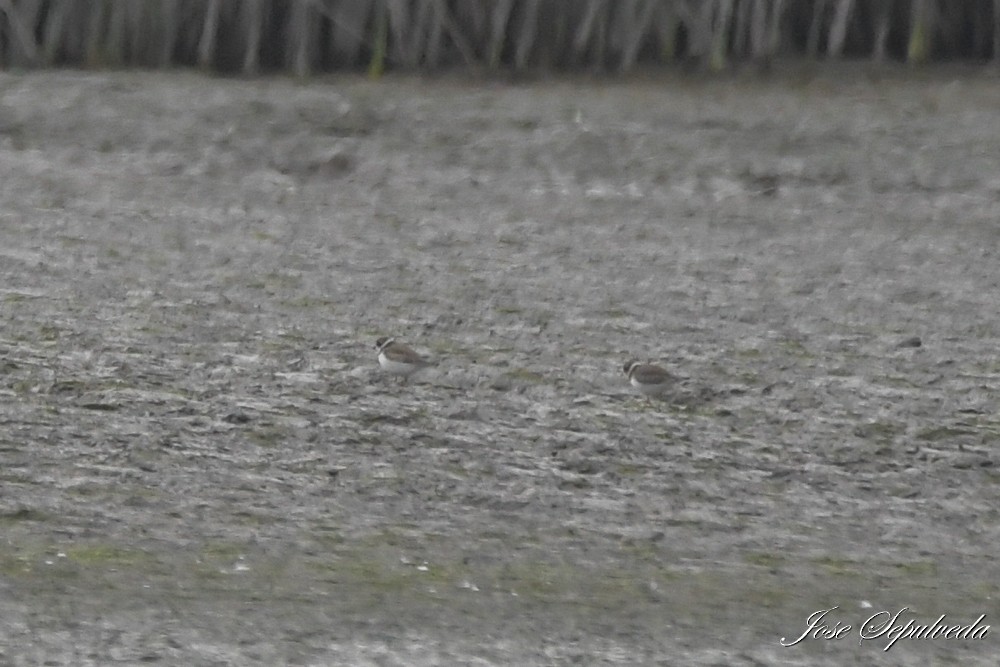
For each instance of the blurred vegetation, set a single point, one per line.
(309, 36)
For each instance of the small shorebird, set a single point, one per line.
(649, 379)
(397, 358)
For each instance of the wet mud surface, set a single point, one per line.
(202, 465)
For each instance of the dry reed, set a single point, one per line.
(307, 36)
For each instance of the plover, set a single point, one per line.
(649, 379)
(397, 358)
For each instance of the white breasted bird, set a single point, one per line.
(397, 358)
(649, 379)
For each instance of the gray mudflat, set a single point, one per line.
(201, 464)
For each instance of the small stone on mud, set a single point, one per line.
(236, 418)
